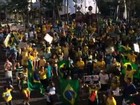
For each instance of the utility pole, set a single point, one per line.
(67, 11)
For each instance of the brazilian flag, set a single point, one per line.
(134, 67)
(123, 49)
(69, 90)
(32, 83)
(61, 65)
(14, 39)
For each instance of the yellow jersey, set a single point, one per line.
(129, 74)
(42, 75)
(7, 95)
(80, 64)
(111, 101)
(42, 62)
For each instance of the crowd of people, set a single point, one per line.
(90, 49)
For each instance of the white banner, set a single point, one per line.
(136, 47)
(48, 38)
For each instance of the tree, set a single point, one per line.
(137, 8)
(53, 6)
(18, 5)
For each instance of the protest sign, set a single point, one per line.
(136, 47)
(48, 38)
(90, 79)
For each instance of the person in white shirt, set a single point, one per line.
(104, 79)
(8, 72)
(51, 93)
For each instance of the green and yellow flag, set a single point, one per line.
(62, 64)
(134, 67)
(69, 90)
(32, 85)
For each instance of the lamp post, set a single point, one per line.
(67, 11)
(90, 15)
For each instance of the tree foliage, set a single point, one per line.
(18, 5)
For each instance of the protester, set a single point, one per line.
(50, 94)
(43, 76)
(25, 90)
(111, 100)
(93, 95)
(7, 95)
(103, 51)
(130, 91)
(8, 72)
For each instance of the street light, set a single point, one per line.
(90, 14)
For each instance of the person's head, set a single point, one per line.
(24, 78)
(69, 78)
(52, 84)
(41, 68)
(7, 60)
(129, 67)
(80, 59)
(18, 64)
(103, 71)
(6, 88)
(25, 69)
(47, 63)
(110, 94)
(114, 60)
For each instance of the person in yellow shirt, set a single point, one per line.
(100, 64)
(79, 53)
(115, 63)
(129, 73)
(43, 77)
(29, 48)
(35, 53)
(132, 57)
(42, 62)
(127, 48)
(44, 29)
(25, 89)
(24, 55)
(36, 58)
(80, 65)
(110, 99)
(31, 57)
(7, 95)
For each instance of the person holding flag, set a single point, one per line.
(25, 90)
(129, 73)
(69, 91)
